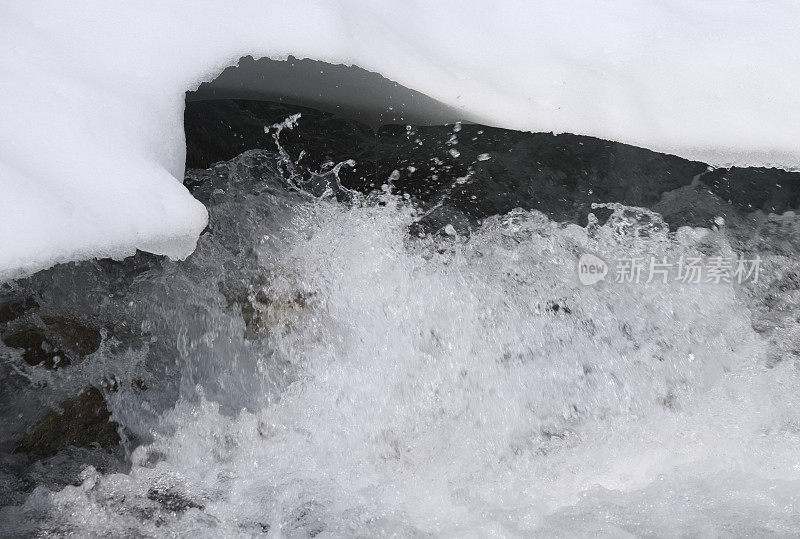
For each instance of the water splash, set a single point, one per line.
(315, 369)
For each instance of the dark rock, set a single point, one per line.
(493, 171)
(61, 342)
(19, 475)
(75, 338)
(328, 87)
(261, 312)
(557, 307)
(172, 501)
(15, 308)
(35, 348)
(461, 174)
(83, 421)
(480, 170)
(220, 130)
(768, 189)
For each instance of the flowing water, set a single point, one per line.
(320, 367)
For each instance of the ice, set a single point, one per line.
(91, 139)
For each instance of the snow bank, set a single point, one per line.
(91, 95)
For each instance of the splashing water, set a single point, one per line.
(314, 369)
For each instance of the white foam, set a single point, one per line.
(435, 390)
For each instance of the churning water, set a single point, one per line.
(316, 369)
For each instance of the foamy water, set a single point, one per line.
(381, 383)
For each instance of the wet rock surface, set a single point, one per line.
(172, 501)
(770, 190)
(16, 307)
(54, 344)
(482, 171)
(82, 422)
(20, 473)
(219, 130)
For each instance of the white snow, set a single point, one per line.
(92, 94)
